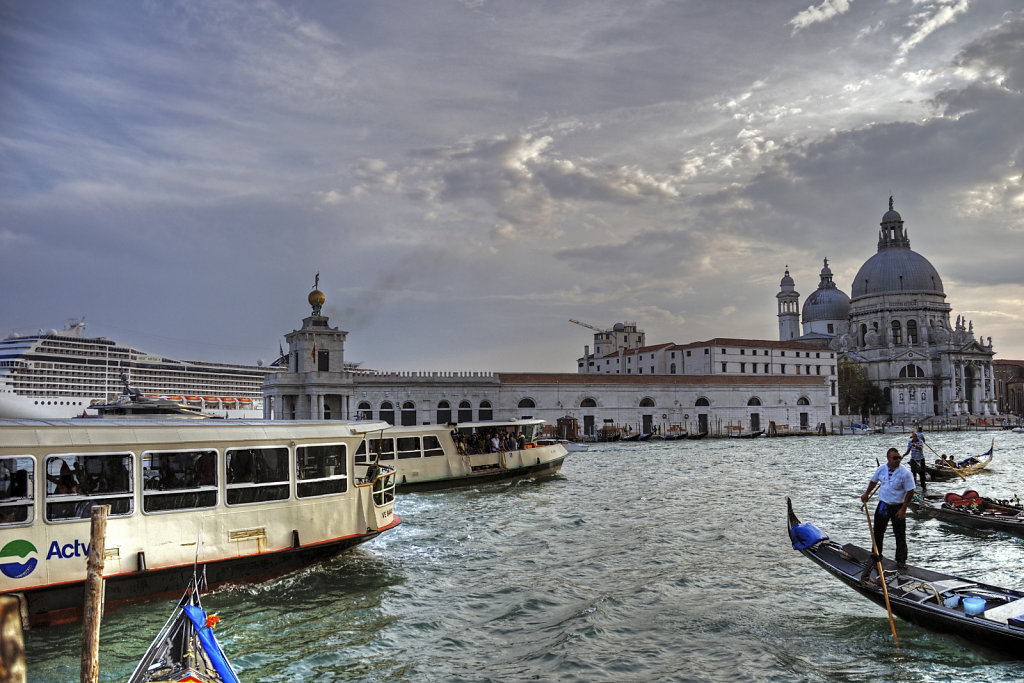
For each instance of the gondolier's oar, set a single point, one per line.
(948, 464)
(881, 573)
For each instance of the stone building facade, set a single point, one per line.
(315, 383)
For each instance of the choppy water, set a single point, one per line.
(664, 561)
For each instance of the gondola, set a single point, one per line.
(971, 509)
(186, 648)
(966, 467)
(699, 435)
(983, 613)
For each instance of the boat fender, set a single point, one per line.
(140, 559)
(295, 539)
(806, 535)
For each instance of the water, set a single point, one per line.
(661, 561)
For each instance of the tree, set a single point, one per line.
(857, 395)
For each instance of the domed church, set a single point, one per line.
(896, 325)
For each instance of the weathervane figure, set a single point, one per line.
(316, 297)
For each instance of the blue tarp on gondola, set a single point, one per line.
(198, 618)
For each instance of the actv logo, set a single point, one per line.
(18, 559)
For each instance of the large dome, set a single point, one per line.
(896, 271)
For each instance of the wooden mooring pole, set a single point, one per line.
(93, 611)
(12, 644)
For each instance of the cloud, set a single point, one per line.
(827, 10)
(935, 15)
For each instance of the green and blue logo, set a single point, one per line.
(18, 559)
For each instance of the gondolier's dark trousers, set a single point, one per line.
(918, 470)
(884, 514)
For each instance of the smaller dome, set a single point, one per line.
(826, 304)
(786, 280)
(619, 327)
(317, 298)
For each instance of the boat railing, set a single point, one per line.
(381, 478)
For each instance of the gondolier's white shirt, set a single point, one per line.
(893, 486)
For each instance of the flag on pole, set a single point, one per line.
(314, 352)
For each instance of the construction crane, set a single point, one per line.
(581, 324)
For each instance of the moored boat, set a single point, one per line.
(987, 614)
(132, 403)
(442, 456)
(944, 468)
(186, 648)
(970, 509)
(259, 498)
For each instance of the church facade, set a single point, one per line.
(896, 325)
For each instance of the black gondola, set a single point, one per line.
(933, 600)
(948, 469)
(186, 648)
(973, 510)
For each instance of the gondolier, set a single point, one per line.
(895, 490)
(916, 449)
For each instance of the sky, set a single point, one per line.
(468, 176)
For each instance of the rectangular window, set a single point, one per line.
(753, 366)
(179, 480)
(320, 470)
(782, 353)
(743, 367)
(652, 369)
(743, 352)
(409, 447)
(17, 490)
(385, 448)
(688, 353)
(706, 351)
(723, 367)
(432, 447)
(255, 475)
(75, 483)
(766, 367)
(323, 363)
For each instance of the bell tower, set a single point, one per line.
(789, 308)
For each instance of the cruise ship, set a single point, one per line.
(59, 374)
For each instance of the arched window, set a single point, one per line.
(911, 331)
(387, 412)
(897, 332)
(444, 412)
(802, 401)
(465, 411)
(754, 401)
(860, 336)
(485, 411)
(365, 411)
(911, 371)
(588, 403)
(702, 402)
(647, 403)
(408, 413)
(527, 403)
